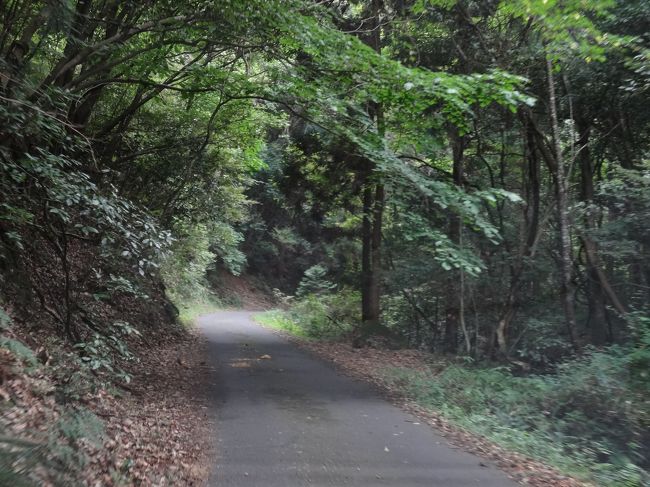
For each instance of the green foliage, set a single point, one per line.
(75, 428)
(184, 267)
(189, 311)
(17, 459)
(287, 238)
(57, 456)
(225, 241)
(314, 281)
(319, 316)
(19, 350)
(627, 195)
(570, 27)
(280, 320)
(590, 419)
(639, 357)
(5, 320)
(76, 204)
(198, 249)
(312, 314)
(100, 351)
(541, 343)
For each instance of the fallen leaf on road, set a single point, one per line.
(240, 365)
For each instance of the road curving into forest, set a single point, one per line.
(287, 419)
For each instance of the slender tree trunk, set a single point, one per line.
(461, 305)
(645, 249)
(373, 315)
(80, 112)
(373, 211)
(19, 51)
(595, 296)
(564, 224)
(366, 253)
(529, 236)
(454, 301)
(79, 33)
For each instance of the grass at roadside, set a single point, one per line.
(567, 421)
(278, 320)
(188, 312)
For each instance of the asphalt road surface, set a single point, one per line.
(287, 419)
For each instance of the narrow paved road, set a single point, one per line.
(286, 419)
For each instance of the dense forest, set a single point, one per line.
(467, 178)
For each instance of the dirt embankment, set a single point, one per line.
(64, 425)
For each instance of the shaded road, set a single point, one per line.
(286, 419)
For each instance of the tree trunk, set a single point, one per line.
(366, 253)
(373, 211)
(373, 312)
(564, 224)
(595, 295)
(19, 51)
(645, 250)
(453, 302)
(79, 33)
(529, 238)
(81, 111)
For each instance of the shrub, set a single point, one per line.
(314, 281)
(281, 321)
(327, 316)
(184, 267)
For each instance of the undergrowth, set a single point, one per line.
(318, 316)
(188, 312)
(279, 320)
(58, 452)
(590, 420)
